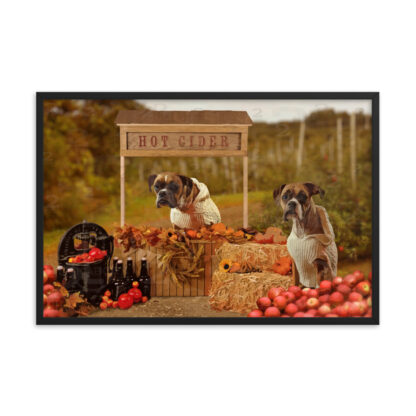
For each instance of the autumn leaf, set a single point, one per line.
(73, 300)
(61, 289)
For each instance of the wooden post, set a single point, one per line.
(245, 191)
(331, 149)
(339, 146)
(353, 140)
(300, 145)
(278, 151)
(233, 176)
(122, 193)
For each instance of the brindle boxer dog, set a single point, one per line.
(189, 200)
(311, 243)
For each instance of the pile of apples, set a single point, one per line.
(343, 297)
(93, 255)
(125, 300)
(53, 300)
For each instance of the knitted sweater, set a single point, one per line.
(304, 249)
(202, 211)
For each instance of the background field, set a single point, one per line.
(81, 167)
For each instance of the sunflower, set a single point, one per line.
(225, 265)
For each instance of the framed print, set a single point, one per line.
(208, 208)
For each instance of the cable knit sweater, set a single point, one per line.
(202, 211)
(304, 249)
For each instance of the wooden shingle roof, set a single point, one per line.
(182, 117)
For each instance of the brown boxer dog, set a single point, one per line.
(311, 243)
(189, 200)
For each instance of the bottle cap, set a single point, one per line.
(120, 262)
(129, 258)
(60, 268)
(144, 259)
(115, 258)
(70, 270)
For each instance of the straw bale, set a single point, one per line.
(262, 256)
(239, 292)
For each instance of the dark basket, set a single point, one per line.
(93, 278)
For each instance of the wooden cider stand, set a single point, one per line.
(145, 133)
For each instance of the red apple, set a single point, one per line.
(45, 277)
(50, 313)
(324, 298)
(50, 274)
(336, 298)
(344, 289)
(355, 297)
(356, 309)
(325, 286)
(342, 310)
(280, 302)
(312, 303)
(47, 266)
(275, 291)
(364, 306)
(305, 291)
(296, 290)
(55, 299)
(359, 275)
(313, 293)
(290, 296)
(350, 280)
(363, 288)
(369, 302)
(263, 303)
(256, 313)
(291, 309)
(337, 281)
(272, 312)
(331, 315)
(312, 312)
(301, 303)
(324, 310)
(48, 289)
(299, 315)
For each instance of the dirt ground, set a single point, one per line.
(166, 307)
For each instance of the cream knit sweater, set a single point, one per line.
(202, 211)
(304, 249)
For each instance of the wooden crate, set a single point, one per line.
(162, 284)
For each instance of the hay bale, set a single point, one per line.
(239, 292)
(262, 256)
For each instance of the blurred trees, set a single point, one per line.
(81, 167)
(81, 157)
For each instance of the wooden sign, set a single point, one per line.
(196, 142)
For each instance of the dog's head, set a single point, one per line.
(296, 198)
(171, 189)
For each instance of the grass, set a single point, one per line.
(142, 210)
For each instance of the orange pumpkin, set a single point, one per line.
(191, 233)
(283, 265)
(219, 228)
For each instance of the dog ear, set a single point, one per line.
(151, 181)
(277, 192)
(314, 189)
(188, 183)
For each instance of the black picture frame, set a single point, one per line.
(373, 96)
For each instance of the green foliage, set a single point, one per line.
(81, 158)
